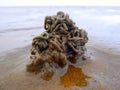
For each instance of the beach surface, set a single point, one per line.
(103, 48)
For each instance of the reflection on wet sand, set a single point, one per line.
(74, 77)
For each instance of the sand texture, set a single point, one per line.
(103, 68)
(101, 71)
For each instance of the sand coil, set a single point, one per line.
(62, 42)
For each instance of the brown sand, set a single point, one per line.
(103, 68)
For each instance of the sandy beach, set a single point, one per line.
(102, 65)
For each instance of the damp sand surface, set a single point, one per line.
(102, 68)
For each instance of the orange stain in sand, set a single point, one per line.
(74, 77)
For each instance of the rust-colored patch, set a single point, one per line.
(74, 77)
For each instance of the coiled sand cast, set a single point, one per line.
(62, 42)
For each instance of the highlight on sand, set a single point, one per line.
(60, 43)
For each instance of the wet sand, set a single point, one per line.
(103, 68)
(20, 24)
